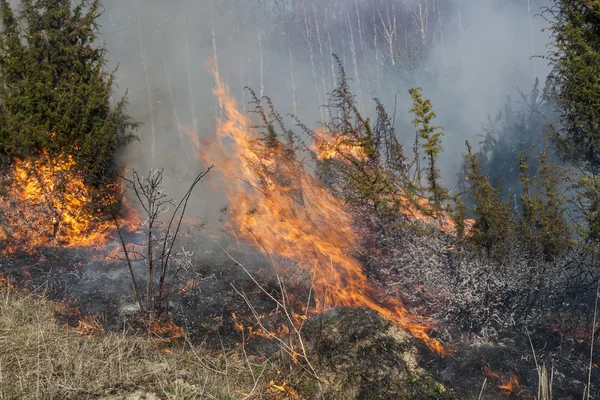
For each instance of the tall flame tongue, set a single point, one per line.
(286, 211)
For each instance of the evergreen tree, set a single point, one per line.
(519, 127)
(55, 93)
(494, 226)
(431, 135)
(575, 57)
(543, 224)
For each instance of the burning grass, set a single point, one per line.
(42, 359)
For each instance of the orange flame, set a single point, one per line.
(287, 211)
(167, 330)
(5, 282)
(48, 203)
(88, 326)
(188, 286)
(331, 145)
(326, 146)
(508, 382)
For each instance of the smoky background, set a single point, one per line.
(468, 56)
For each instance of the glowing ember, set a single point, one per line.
(5, 282)
(48, 203)
(285, 210)
(189, 285)
(508, 382)
(281, 391)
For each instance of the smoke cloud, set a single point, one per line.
(468, 56)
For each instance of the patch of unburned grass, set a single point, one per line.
(40, 359)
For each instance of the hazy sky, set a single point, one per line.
(478, 53)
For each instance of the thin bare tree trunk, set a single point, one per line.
(147, 80)
(377, 61)
(242, 83)
(294, 108)
(462, 45)
(182, 140)
(312, 63)
(531, 38)
(149, 267)
(360, 35)
(189, 73)
(215, 58)
(331, 60)
(389, 29)
(319, 40)
(354, 61)
(262, 66)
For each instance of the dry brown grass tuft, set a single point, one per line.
(39, 359)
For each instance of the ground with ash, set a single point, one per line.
(357, 352)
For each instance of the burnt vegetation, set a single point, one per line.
(501, 266)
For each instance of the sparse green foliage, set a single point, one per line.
(374, 174)
(588, 204)
(55, 92)
(431, 134)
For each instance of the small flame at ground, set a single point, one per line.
(285, 210)
(89, 326)
(508, 382)
(167, 330)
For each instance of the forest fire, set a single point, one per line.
(283, 209)
(330, 145)
(47, 203)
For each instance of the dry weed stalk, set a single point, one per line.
(544, 391)
(282, 304)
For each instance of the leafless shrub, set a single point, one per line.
(458, 283)
(162, 224)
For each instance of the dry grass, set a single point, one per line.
(39, 359)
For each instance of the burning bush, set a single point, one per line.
(46, 202)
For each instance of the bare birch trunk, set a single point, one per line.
(331, 60)
(182, 140)
(294, 108)
(216, 60)
(189, 72)
(360, 35)
(312, 63)
(262, 66)
(462, 45)
(321, 59)
(531, 38)
(147, 80)
(354, 62)
(377, 61)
